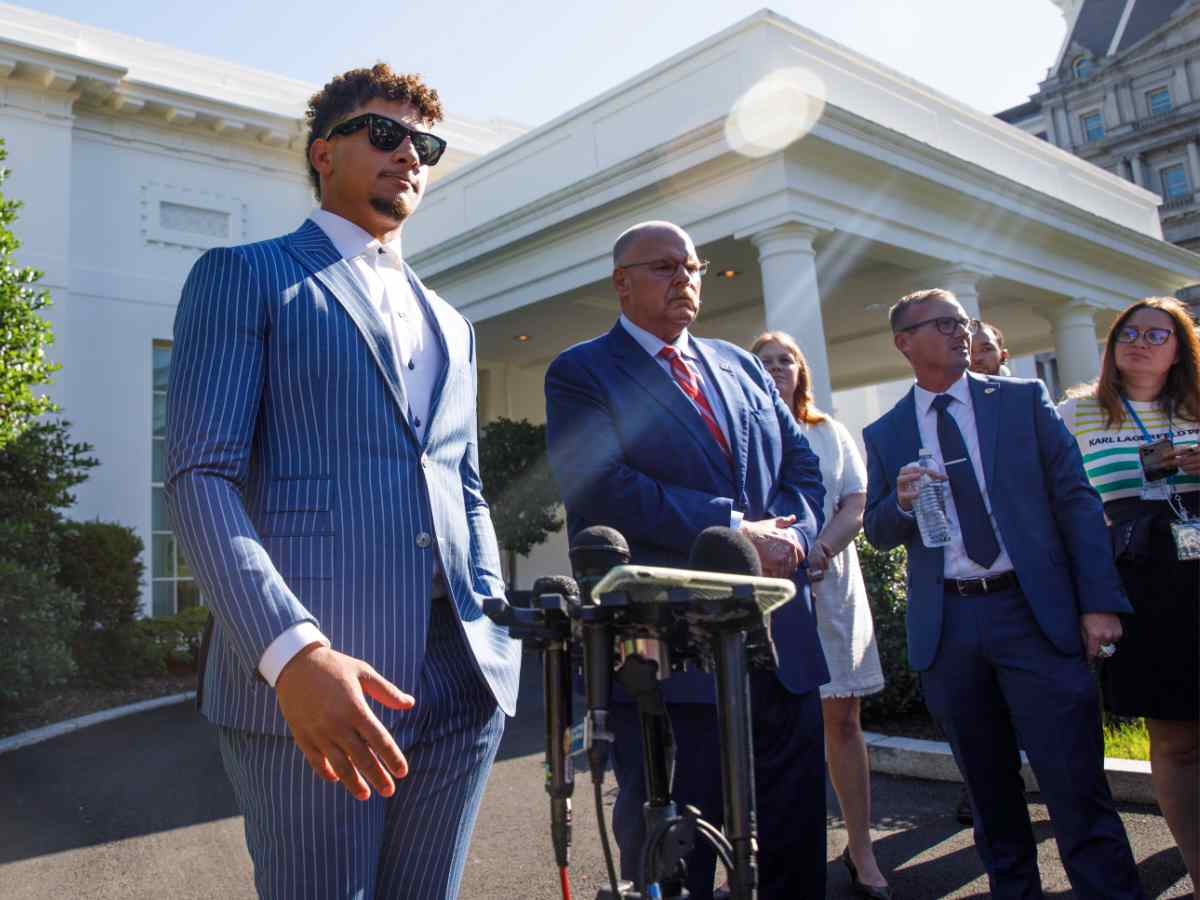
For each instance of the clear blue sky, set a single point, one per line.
(530, 60)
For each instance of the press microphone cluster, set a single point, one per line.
(643, 622)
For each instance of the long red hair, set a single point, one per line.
(801, 400)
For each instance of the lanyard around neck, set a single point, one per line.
(1145, 432)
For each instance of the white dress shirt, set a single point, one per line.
(653, 345)
(418, 358)
(957, 563)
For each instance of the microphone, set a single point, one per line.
(726, 550)
(556, 696)
(593, 552)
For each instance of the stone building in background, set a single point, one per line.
(1124, 94)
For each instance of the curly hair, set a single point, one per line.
(801, 401)
(1182, 389)
(351, 90)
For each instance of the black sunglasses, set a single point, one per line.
(946, 325)
(387, 134)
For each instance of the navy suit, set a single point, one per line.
(300, 491)
(1008, 667)
(630, 451)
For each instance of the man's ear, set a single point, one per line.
(620, 280)
(900, 339)
(320, 156)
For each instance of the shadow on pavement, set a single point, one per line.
(145, 773)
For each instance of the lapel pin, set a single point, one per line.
(989, 390)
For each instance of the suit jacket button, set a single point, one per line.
(424, 539)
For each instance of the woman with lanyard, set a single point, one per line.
(1138, 429)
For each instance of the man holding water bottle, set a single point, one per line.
(1006, 607)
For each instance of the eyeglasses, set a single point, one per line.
(946, 325)
(1156, 337)
(387, 134)
(666, 268)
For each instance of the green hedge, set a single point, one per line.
(38, 619)
(884, 574)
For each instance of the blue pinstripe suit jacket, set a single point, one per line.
(298, 488)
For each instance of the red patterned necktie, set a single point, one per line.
(687, 379)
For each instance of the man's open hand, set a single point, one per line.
(778, 547)
(322, 694)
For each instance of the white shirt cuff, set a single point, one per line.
(287, 645)
(735, 519)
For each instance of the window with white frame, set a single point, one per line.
(172, 586)
(1082, 67)
(1174, 181)
(1093, 125)
(1158, 101)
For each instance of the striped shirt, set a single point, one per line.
(1110, 454)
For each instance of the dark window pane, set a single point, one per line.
(163, 556)
(1160, 102)
(162, 367)
(182, 569)
(158, 460)
(1174, 182)
(160, 415)
(189, 594)
(164, 598)
(159, 521)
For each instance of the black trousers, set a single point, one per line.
(789, 771)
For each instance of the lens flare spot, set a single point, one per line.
(778, 110)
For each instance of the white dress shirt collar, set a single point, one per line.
(960, 391)
(350, 240)
(653, 344)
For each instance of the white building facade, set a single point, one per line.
(823, 184)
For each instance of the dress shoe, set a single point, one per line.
(870, 891)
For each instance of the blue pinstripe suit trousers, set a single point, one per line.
(310, 840)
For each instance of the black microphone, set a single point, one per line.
(556, 696)
(725, 550)
(593, 552)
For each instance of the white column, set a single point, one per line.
(960, 280)
(1075, 344)
(1135, 162)
(1193, 152)
(792, 298)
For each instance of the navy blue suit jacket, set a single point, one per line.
(630, 451)
(1049, 516)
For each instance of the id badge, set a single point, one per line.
(1156, 490)
(1186, 534)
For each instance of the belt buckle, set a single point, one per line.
(960, 586)
(983, 584)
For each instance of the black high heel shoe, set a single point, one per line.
(870, 891)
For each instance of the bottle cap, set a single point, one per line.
(924, 452)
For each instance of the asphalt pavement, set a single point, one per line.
(140, 808)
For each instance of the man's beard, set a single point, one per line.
(396, 209)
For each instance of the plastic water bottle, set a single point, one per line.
(930, 506)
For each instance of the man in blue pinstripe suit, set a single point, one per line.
(323, 479)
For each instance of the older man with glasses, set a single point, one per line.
(661, 434)
(1003, 620)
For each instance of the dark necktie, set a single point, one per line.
(685, 376)
(979, 538)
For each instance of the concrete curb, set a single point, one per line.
(1129, 779)
(37, 735)
(909, 757)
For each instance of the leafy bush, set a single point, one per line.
(38, 619)
(37, 472)
(101, 562)
(884, 574)
(179, 637)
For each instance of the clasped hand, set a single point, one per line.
(322, 695)
(778, 547)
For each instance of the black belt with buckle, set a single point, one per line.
(975, 587)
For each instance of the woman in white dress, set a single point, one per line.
(840, 599)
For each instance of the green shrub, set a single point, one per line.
(179, 637)
(38, 619)
(102, 563)
(884, 574)
(119, 655)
